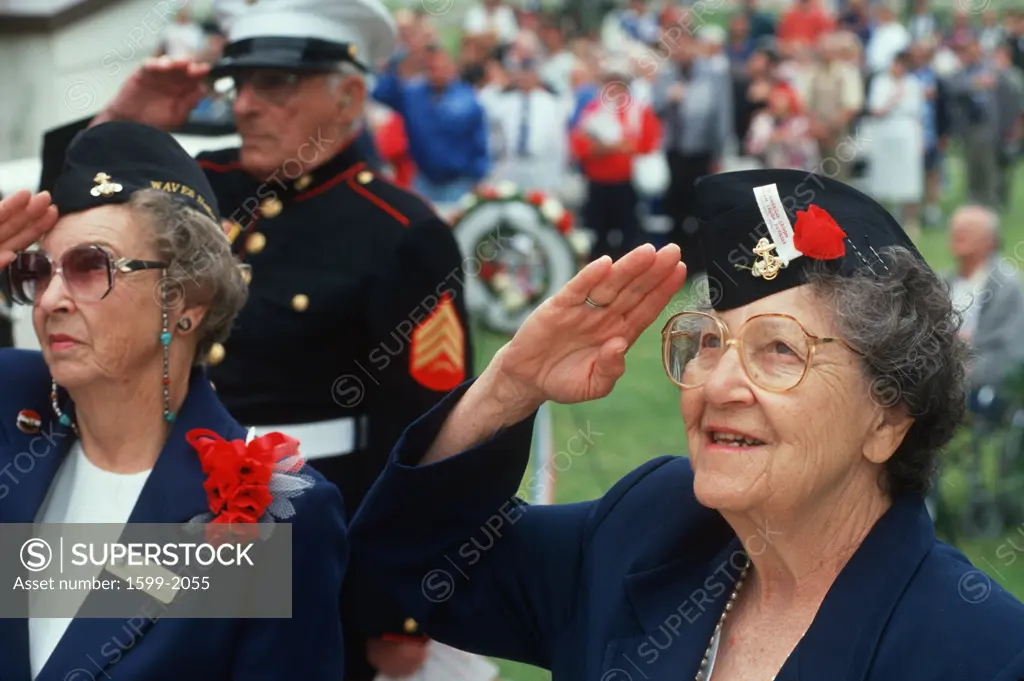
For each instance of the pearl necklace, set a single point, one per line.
(703, 671)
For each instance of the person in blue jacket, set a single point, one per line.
(818, 383)
(115, 422)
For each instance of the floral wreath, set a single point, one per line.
(542, 253)
(550, 209)
(248, 482)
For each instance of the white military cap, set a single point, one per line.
(304, 34)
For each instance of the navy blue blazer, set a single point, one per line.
(629, 587)
(307, 646)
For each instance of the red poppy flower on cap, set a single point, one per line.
(817, 235)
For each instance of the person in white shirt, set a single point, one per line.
(558, 61)
(889, 38)
(184, 39)
(131, 286)
(494, 18)
(532, 122)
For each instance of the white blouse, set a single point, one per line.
(81, 492)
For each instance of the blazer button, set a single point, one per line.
(300, 303)
(255, 243)
(217, 354)
(271, 208)
(303, 182)
(410, 626)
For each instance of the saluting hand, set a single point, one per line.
(24, 218)
(161, 93)
(567, 351)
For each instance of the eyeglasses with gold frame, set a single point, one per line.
(758, 343)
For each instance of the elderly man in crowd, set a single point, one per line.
(986, 289)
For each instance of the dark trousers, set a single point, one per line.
(610, 208)
(684, 170)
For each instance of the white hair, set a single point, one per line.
(983, 216)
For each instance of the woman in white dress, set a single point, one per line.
(895, 141)
(114, 423)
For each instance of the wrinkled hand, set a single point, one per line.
(24, 218)
(567, 351)
(161, 93)
(396, 658)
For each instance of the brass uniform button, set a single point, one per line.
(410, 626)
(364, 177)
(300, 303)
(303, 182)
(255, 243)
(217, 354)
(271, 208)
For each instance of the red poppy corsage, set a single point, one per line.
(239, 477)
(817, 235)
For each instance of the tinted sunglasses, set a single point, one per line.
(88, 272)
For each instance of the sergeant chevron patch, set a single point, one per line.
(437, 352)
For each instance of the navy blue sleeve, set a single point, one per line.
(452, 543)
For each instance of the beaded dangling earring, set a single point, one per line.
(63, 418)
(165, 340)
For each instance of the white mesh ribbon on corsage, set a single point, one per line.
(253, 481)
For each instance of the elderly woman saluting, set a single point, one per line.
(793, 542)
(131, 284)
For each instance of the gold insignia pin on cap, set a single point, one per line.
(104, 187)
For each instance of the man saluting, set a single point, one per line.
(355, 324)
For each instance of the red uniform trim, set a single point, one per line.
(350, 177)
(220, 167)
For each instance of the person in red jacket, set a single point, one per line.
(805, 22)
(611, 132)
(393, 146)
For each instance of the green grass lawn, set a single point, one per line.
(640, 419)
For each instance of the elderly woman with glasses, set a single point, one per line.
(817, 387)
(115, 425)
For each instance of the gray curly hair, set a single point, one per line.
(914, 359)
(202, 269)
(906, 328)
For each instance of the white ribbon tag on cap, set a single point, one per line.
(775, 219)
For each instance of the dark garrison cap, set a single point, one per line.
(759, 229)
(108, 163)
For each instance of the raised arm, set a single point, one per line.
(444, 535)
(24, 218)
